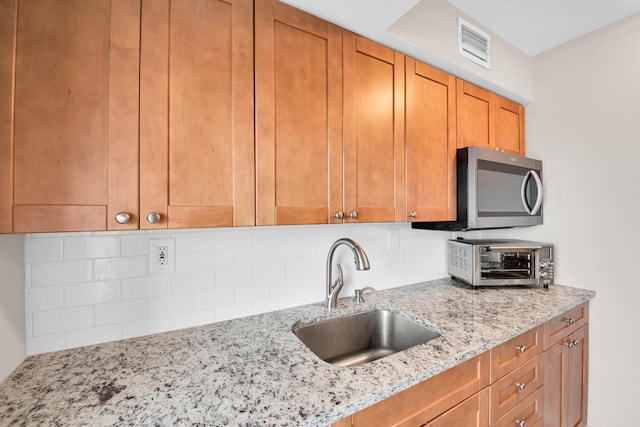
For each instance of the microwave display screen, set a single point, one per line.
(500, 189)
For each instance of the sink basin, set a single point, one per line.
(363, 337)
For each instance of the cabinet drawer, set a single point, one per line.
(514, 387)
(566, 323)
(516, 352)
(529, 411)
(430, 398)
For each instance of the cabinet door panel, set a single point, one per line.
(299, 116)
(430, 143)
(196, 114)
(373, 129)
(76, 124)
(509, 126)
(473, 115)
(473, 412)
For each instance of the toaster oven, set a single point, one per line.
(500, 262)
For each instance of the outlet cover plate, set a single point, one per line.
(169, 266)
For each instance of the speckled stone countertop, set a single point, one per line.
(255, 371)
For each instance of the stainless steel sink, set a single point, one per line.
(363, 337)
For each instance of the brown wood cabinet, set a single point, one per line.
(74, 136)
(487, 120)
(566, 371)
(373, 131)
(298, 116)
(196, 114)
(535, 379)
(430, 144)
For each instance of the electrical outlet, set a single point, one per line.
(162, 254)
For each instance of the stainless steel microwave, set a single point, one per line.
(494, 190)
(501, 262)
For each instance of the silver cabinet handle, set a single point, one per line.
(521, 386)
(521, 348)
(339, 215)
(572, 344)
(353, 214)
(153, 217)
(413, 215)
(123, 217)
(568, 320)
(520, 423)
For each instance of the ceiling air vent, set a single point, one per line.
(474, 44)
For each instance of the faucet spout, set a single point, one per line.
(362, 263)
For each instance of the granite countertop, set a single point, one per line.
(255, 371)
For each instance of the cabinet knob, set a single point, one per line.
(413, 215)
(521, 423)
(568, 320)
(521, 348)
(122, 217)
(521, 386)
(572, 344)
(353, 214)
(339, 215)
(153, 217)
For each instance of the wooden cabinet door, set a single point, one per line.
(488, 120)
(298, 116)
(196, 113)
(473, 412)
(75, 134)
(430, 143)
(373, 131)
(566, 381)
(473, 115)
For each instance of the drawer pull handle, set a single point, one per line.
(521, 348)
(572, 344)
(521, 386)
(520, 423)
(569, 320)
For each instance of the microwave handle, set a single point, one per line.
(523, 191)
(490, 248)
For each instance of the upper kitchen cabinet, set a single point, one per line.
(298, 74)
(70, 121)
(488, 120)
(196, 114)
(430, 143)
(373, 131)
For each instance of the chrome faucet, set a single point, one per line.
(362, 263)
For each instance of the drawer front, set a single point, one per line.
(526, 413)
(514, 387)
(516, 352)
(566, 323)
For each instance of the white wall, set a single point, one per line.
(87, 288)
(12, 314)
(585, 124)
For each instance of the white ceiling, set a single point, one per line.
(532, 26)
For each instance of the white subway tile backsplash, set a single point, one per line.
(214, 297)
(91, 247)
(44, 298)
(57, 273)
(77, 294)
(43, 250)
(70, 319)
(144, 287)
(86, 288)
(119, 268)
(120, 312)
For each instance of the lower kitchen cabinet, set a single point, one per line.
(538, 378)
(566, 381)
